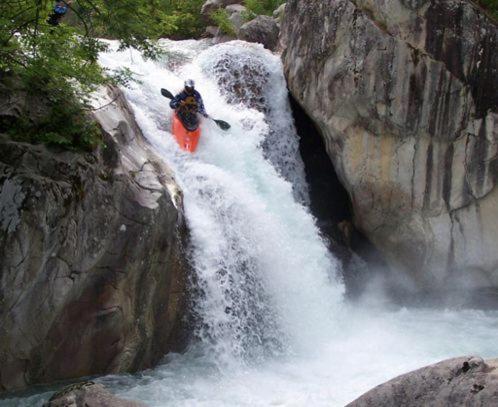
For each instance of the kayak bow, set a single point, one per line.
(187, 140)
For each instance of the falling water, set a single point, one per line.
(273, 328)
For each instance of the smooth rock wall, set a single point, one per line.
(91, 265)
(405, 94)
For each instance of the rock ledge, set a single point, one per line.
(464, 381)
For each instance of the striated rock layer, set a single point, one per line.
(88, 394)
(465, 381)
(405, 94)
(91, 271)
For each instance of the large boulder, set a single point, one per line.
(405, 94)
(465, 381)
(249, 75)
(88, 394)
(91, 270)
(263, 29)
(211, 6)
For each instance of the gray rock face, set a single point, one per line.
(88, 394)
(91, 275)
(405, 94)
(235, 13)
(262, 29)
(213, 5)
(465, 381)
(211, 31)
(235, 8)
(237, 19)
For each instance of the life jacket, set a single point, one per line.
(190, 104)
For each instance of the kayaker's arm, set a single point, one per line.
(221, 124)
(176, 101)
(200, 104)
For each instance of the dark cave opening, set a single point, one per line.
(330, 202)
(362, 263)
(331, 206)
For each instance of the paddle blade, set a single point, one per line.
(222, 125)
(166, 93)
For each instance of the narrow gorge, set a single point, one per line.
(340, 234)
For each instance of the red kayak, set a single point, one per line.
(186, 139)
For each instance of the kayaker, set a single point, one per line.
(60, 10)
(188, 105)
(188, 102)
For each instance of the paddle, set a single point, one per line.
(221, 124)
(167, 94)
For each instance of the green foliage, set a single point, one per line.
(54, 114)
(178, 19)
(258, 7)
(491, 6)
(58, 65)
(187, 18)
(222, 20)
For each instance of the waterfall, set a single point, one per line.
(266, 281)
(273, 328)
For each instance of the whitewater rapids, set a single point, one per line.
(273, 328)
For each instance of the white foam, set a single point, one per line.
(274, 330)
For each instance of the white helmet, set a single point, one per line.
(189, 84)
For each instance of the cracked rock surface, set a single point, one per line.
(464, 381)
(88, 394)
(91, 269)
(405, 94)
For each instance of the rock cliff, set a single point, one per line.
(405, 94)
(91, 271)
(465, 381)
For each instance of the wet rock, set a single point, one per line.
(465, 381)
(88, 394)
(405, 96)
(91, 271)
(211, 32)
(222, 38)
(263, 30)
(246, 78)
(216, 34)
(243, 80)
